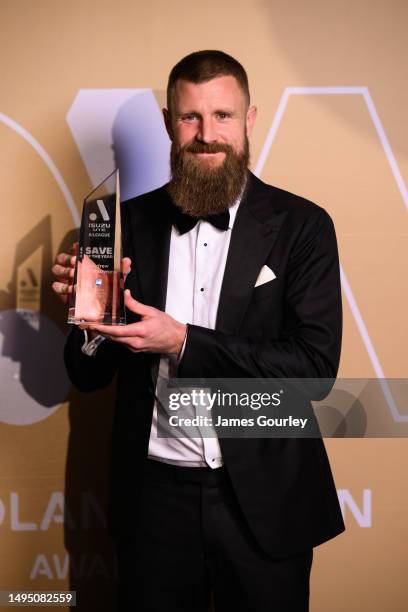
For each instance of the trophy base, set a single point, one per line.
(72, 320)
(98, 297)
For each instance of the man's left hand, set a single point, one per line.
(156, 332)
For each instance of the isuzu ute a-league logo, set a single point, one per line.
(102, 209)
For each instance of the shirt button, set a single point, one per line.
(202, 289)
(205, 244)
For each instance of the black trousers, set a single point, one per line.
(191, 544)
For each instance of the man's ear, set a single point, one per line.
(167, 123)
(250, 118)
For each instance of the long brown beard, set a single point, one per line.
(200, 190)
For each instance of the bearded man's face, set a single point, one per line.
(208, 124)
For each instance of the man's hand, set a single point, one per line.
(64, 269)
(157, 332)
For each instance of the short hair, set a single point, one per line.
(202, 66)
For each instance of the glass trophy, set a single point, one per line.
(98, 289)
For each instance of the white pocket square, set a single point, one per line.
(265, 275)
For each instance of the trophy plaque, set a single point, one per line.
(98, 289)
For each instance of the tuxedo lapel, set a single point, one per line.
(253, 236)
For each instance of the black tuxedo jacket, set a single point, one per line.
(289, 327)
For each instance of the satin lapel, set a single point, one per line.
(254, 233)
(150, 239)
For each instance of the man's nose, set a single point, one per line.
(206, 130)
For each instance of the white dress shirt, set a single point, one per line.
(196, 270)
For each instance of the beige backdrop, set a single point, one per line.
(345, 149)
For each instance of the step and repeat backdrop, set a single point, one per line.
(82, 87)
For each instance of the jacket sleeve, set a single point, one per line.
(310, 340)
(90, 373)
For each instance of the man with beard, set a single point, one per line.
(226, 277)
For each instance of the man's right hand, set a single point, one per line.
(63, 270)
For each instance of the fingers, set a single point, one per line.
(136, 306)
(62, 271)
(65, 266)
(114, 332)
(126, 265)
(130, 336)
(65, 259)
(63, 290)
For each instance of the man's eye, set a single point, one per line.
(190, 117)
(223, 116)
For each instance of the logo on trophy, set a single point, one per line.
(98, 290)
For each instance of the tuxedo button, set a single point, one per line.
(202, 289)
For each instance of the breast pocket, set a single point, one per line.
(265, 290)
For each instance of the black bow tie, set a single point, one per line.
(185, 222)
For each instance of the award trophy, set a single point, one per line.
(98, 289)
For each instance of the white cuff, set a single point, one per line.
(180, 357)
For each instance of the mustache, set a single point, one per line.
(202, 147)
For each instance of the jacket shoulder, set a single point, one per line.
(146, 203)
(283, 201)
